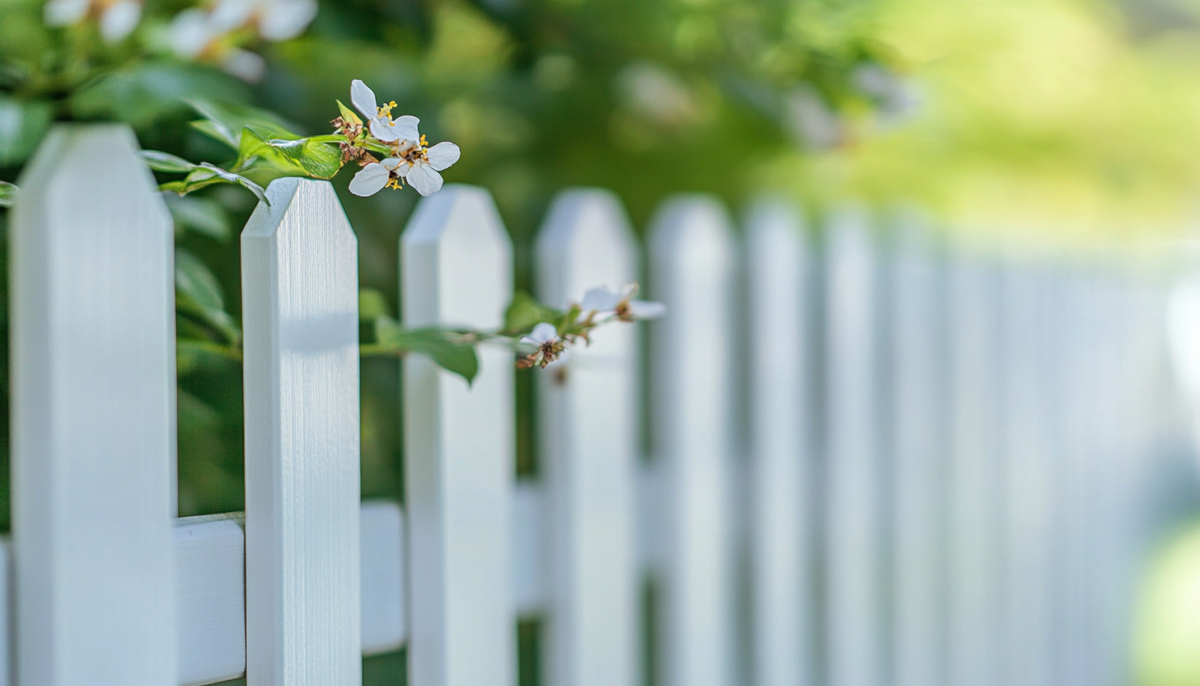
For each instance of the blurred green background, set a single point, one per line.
(1001, 118)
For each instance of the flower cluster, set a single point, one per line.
(116, 18)
(599, 306)
(211, 33)
(409, 159)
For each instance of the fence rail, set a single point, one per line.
(874, 458)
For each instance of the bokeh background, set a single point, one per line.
(1061, 124)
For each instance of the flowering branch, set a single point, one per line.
(539, 334)
(265, 146)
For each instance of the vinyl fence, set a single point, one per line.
(874, 458)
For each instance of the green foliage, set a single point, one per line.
(22, 125)
(288, 153)
(525, 312)
(452, 350)
(145, 93)
(7, 193)
(201, 216)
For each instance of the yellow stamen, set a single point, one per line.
(395, 183)
(424, 142)
(386, 110)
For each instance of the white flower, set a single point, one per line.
(376, 176)
(118, 18)
(549, 347)
(191, 33)
(65, 12)
(542, 334)
(603, 302)
(194, 31)
(422, 164)
(276, 19)
(380, 118)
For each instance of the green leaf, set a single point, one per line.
(23, 123)
(8, 193)
(225, 122)
(193, 278)
(449, 349)
(218, 320)
(148, 91)
(200, 215)
(198, 296)
(525, 312)
(372, 305)
(312, 158)
(206, 175)
(348, 114)
(166, 162)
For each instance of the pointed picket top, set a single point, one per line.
(300, 313)
(93, 414)
(586, 242)
(456, 263)
(466, 258)
(854, 572)
(588, 431)
(779, 301)
(693, 261)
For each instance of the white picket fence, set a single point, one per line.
(875, 460)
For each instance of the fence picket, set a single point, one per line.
(588, 421)
(693, 258)
(457, 270)
(300, 312)
(917, 412)
(1027, 479)
(975, 507)
(852, 459)
(779, 286)
(93, 415)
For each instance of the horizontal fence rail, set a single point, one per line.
(873, 455)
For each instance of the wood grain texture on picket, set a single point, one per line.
(93, 414)
(456, 261)
(300, 314)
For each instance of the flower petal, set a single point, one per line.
(190, 32)
(363, 99)
(65, 12)
(443, 155)
(286, 19)
(119, 20)
(542, 333)
(424, 179)
(645, 309)
(369, 180)
(391, 163)
(230, 15)
(384, 129)
(599, 299)
(406, 129)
